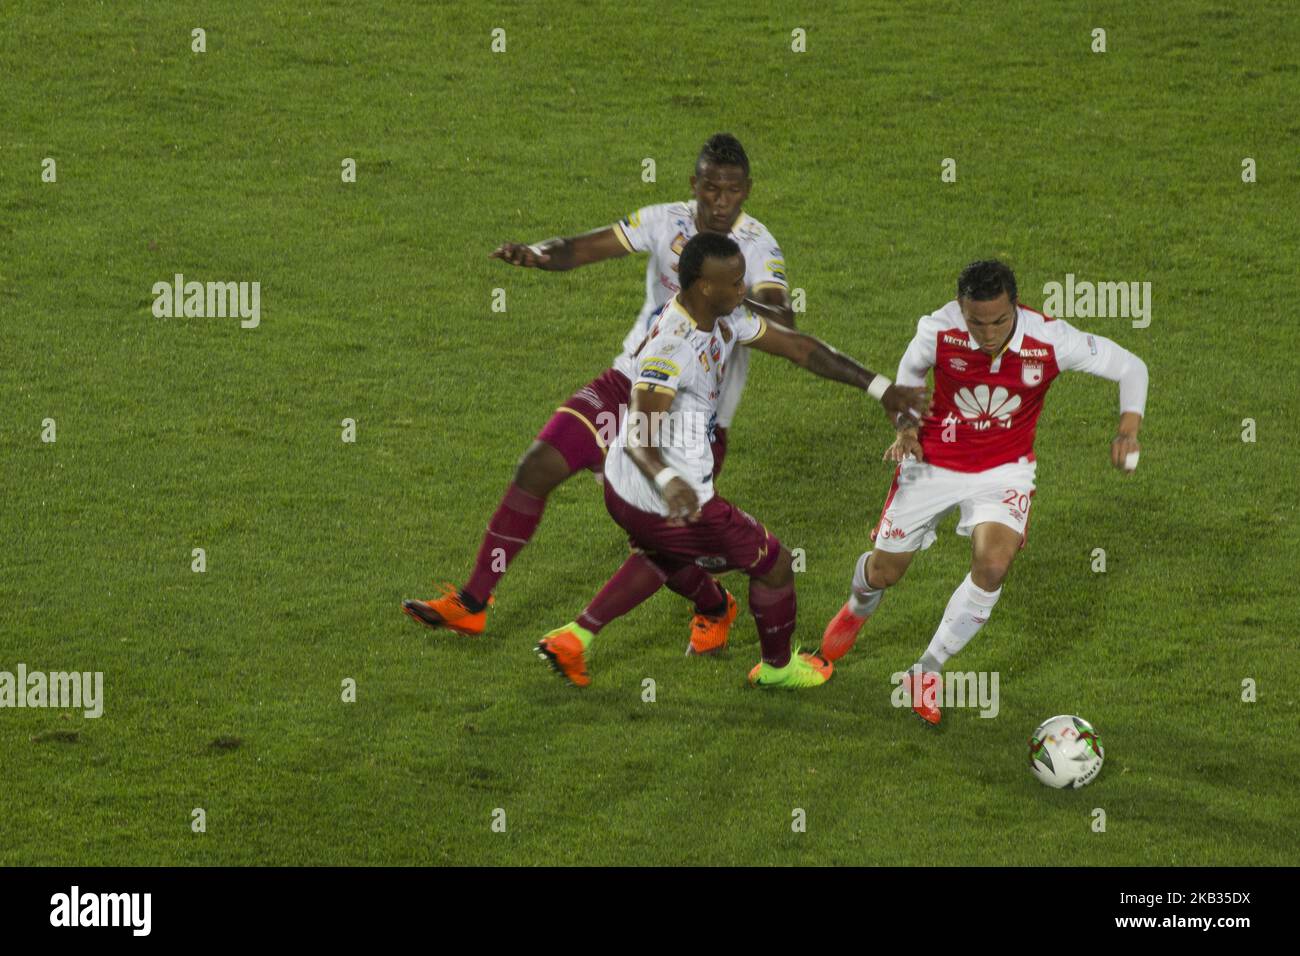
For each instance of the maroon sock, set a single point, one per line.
(774, 613)
(636, 580)
(697, 586)
(511, 527)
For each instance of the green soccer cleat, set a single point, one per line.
(804, 670)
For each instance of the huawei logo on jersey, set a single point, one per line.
(886, 530)
(984, 407)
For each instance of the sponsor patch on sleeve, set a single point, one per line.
(775, 268)
(660, 368)
(633, 220)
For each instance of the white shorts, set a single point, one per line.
(922, 494)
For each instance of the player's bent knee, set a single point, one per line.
(989, 575)
(781, 573)
(880, 579)
(885, 572)
(541, 469)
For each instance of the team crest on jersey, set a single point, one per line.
(704, 361)
(678, 244)
(715, 350)
(958, 364)
(1031, 373)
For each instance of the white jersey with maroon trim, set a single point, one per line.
(680, 358)
(663, 231)
(986, 408)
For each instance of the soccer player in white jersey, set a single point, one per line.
(576, 436)
(993, 361)
(659, 472)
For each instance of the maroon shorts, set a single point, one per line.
(581, 427)
(723, 539)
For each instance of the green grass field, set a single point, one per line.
(223, 689)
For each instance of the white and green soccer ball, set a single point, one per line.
(1065, 752)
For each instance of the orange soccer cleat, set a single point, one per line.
(709, 634)
(563, 650)
(449, 611)
(924, 689)
(840, 633)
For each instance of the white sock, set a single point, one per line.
(967, 611)
(863, 599)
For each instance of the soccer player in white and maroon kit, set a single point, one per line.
(659, 485)
(993, 361)
(576, 436)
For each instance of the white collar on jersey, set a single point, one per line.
(676, 306)
(693, 205)
(1017, 337)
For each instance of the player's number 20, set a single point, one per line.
(1016, 500)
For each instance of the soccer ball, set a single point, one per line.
(1065, 752)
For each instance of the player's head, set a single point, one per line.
(712, 274)
(721, 183)
(986, 292)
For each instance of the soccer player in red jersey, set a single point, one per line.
(577, 434)
(993, 362)
(658, 474)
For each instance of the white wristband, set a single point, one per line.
(878, 386)
(665, 475)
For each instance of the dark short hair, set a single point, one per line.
(985, 280)
(723, 149)
(706, 245)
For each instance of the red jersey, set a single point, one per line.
(986, 408)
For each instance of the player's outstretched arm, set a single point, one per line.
(1097, 355)
(648, 409)
(563, 253)
(1124, 446)
(913, 367)
(772, 302)
(816, 356)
